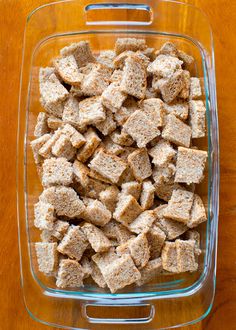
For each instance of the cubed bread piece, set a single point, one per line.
(184, 93)
(108, 125)
(95, 236)
(113, 97)
(109, 197)
(44, 215)
(81, 173)
(46, 236)
(177, 132)
(197, 115)
(111, 147)
(127, 209)
(91, 111)
(47, 257)
(68, 70)
(65, 201)
(140, 164)
(92, 142)
(52, 93)
(121, 138)
(120, 59)
(139, 250)
(41, 126)
(76, 138)
(169, 257)
(162, 153)
(164, 66)
(131, 188)
(186, 256)
(73, 243)
(108, 165)
(70, 274)
(63, 147)
(71, 113)
(147, 195)
(105, 259)
(115, 230)
(163, 175)
(57, 171)
(97, 275)
(179, 206)
(140, 128)
(128, 107)
(116, 76)
(187, 59)
(95, 175)
(153, 108)
(156, 238)
(134, 44)
(134, 79)
(150, 272)
(96, 81)
(110, 229)
(97, 213)
(190, 165)
(54, 123)
(144, 59)
(86, 265)
(198, 212)
(36, 145)
(94, 188)
(194, 235)
(172, 86)
(195, 88)
(106, 57)
(46, 149)
(142, 223)
(81, 51)
(178, 108)
(59, 229)
(168, 48)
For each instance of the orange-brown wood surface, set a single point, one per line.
(222, 15)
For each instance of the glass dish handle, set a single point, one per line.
(118, 14)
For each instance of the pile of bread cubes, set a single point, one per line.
(118, 165)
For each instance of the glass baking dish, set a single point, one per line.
(169, 301)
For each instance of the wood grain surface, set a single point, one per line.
(222, 15)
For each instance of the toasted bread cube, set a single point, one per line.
(187, 59)
(195, 88)
(147, 195)
(44, 215)
(97, 275)
(150, 272)
(41, 126)
(36, 145)
(59, 229)
(140, 164)
(142, 223)
(179, 206)
(190, 165)
(163, 175)
(68, 70)
(46, 149)
(81, 173)
(65, 201)
(108, 165)
(185, 256)
(172, 86)
(153, 108)
(144, 59)
(139, 250)
(164, 66)
(46, 236)
(156, 238)
(131, 188)
(74, 243)
(113, 97)
(109, 197)
(110, 229)
(76, 138)
(106, 58)
(120, 59)
(184, 93)
(116, 76)
(122, 138)
(97, 213)
(108, 125)
(96, 81)
(115, 230)
(105, 259)
(54, 123)
(140, 128)
(70, 274)
(112, 147)
(194, 235)
(134, 79)
(197, 118)
(94, 188)
(177, 132)
(57, 171)
(92, 142)
(127, 209)
(162, 153)
(127, 176)
(81, 51)
(71, 113)
(47, 257)
(95, 236)
(91, 111)
(123, 44)
(164, 188)
(63, 148)
(168, 48)
(177, 108)
(198, 212)
(128, 107)
(86, 265)
(169, 257)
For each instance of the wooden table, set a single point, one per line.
(222, 15)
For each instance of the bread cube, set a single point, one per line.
(109, 197)
(164, 66)
(190, 165)
(44, 215)
(41, 126)
(194, 235)
(91, 111)
(128, 107)
(63, 147)
(73, 243)
(147, 195)
(81, 51)
(140, 164)
(106, 57)
(116, 76)
(171, 228)
(152, 269)
(92, 142)
(36, 145)
(195, 88)
(139, 250)
(134, 44)
(119, 60)
(47, 257)
(81, 173)
(46, 149)
(96, 213)
(94, 188)
(187, 59)
(96, 81)
(177, 132)
(172, 86)
(142, 223)
(71, 113)
(108, 125)
(198, 212)
(54, 123)
(76, 138)
(162, 175)
(162, 153)
(168, 48)
(197, 118)
(95, 236)
(131, 188)
(177, 108)
(169, 257)
(140, 128)
(86, 266)
(70, 274)
(184, 93)
(97, 275)
(156, 238)
(153, 108)
(185, 256)
(127, 209)
(113, 97)
(57, 171)
(59, 229)
(68, 70)
(122, 138)
(165, 185)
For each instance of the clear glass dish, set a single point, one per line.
(170, 301)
